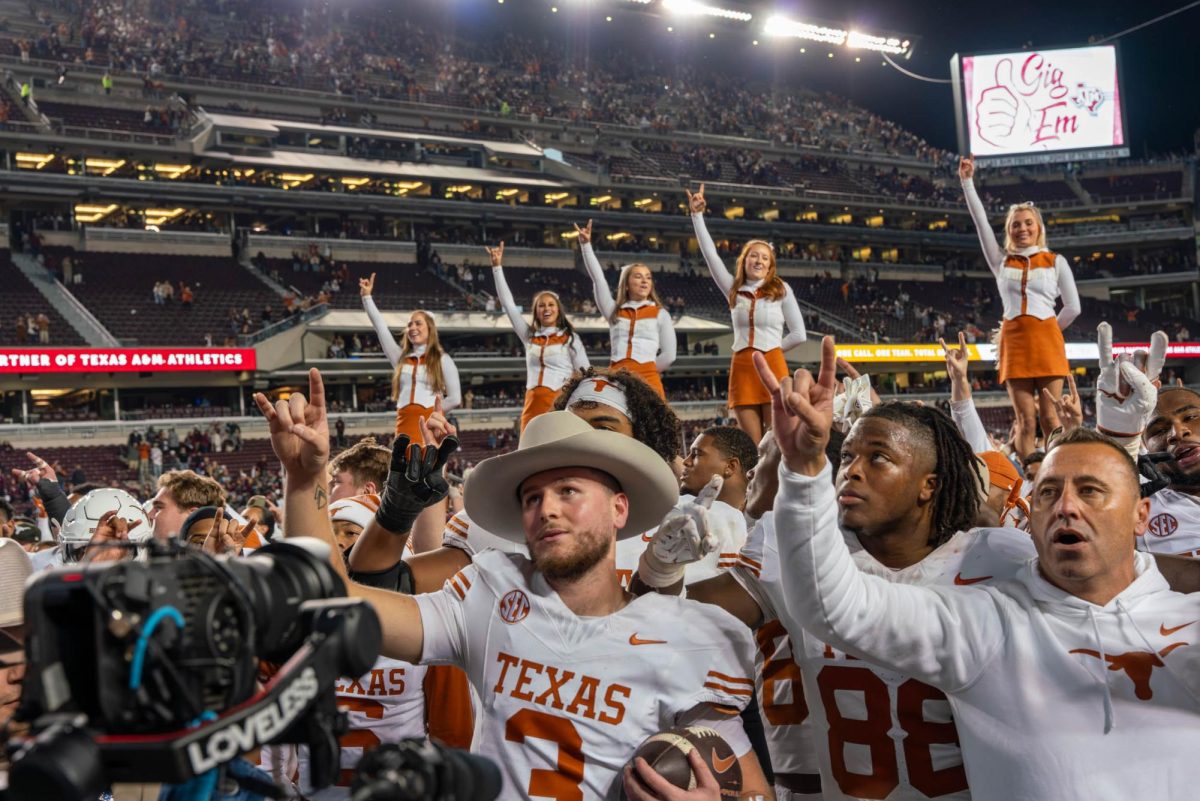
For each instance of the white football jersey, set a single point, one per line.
(566, 700)
(877, 734)
(465, 534)
(1174, 524)
(384, 705)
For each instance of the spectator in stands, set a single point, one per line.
(185, 295)
(43, 328)
(78, 477)
(156, 461)
(22, 329)
(339, 428)
(143, 463)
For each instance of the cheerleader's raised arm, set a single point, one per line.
(387, 342)
(505, 295)
(604, 299)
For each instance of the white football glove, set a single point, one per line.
(852, 403)
(682, 538)
(1126, 396)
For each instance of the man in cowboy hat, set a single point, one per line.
(559, 653)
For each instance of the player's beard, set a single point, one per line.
(1180, 481)
(592, 548)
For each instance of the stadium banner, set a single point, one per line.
(1076, 352)
(125, 360)
(1040, 105)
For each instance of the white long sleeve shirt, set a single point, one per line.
(640, 330)
(551, 354)
(1054, 697)
(414, 385)
(758, 321)
(1030, 280)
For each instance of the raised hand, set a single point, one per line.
(696, 202)
(104, 546)
(496, 254)
(436, 427)
(585, 233)
(1069, 407)
(41, 469)
(966, 168)
(802, 410)
(853, 372)
(683, 537)
(1125, 395)
(300, 430)
(414, 482)
(227, 536)
(366, 286)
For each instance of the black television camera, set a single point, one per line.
(145, 671)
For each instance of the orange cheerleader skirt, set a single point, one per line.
(645, 371)
(538, 400)
(408, 421)
(1032, 348)
(745, 387)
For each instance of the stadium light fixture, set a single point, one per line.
(104, 166)
(780, 26)
(86, 213)
(33, 161)
(694, 8)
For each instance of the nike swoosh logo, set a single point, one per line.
(1167, 632)
(722, 765)
(636, 640)
(964, 582)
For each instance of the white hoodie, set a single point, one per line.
(1055, 698)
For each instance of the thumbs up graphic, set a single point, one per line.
(998, 109)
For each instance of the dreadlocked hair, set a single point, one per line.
(654, 422)
(956, 499)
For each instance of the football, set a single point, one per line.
(667, 753)
(81, 520)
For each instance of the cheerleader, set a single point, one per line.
(1030, 278)
(760, 305)
(422, 371)
(552, 349)
(641, 335)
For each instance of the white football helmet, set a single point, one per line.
(81, 520)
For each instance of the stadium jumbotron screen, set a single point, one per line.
(1037, 106)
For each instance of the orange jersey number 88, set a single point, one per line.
(872, 732)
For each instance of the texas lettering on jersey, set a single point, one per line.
(565, 699)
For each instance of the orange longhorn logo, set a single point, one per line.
(1138, 665)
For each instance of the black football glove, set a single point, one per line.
(414, 482)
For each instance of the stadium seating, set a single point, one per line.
(124, 301)
(104, 117)
(397, 286)
(20, 297)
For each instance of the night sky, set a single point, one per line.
(1160, 64)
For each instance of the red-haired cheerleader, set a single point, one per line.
(761, 306)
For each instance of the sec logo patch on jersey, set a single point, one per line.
(1163, 525)
(514, 607)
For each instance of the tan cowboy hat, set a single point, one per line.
(561, 439)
